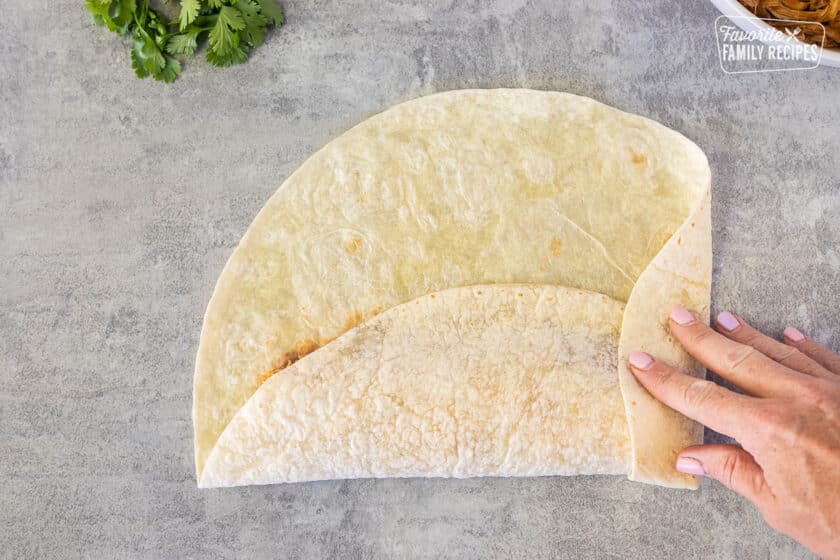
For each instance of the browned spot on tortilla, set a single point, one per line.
(638, 158)
(679, 240)
(352, 245)
(479, 292)
(300, 350)
(556, 247)
(432, 296)
(308, 345)
(352, 320)
(264, 376)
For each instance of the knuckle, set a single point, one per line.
(821, 393)
(814, 389)
(758, 484)
(788, 355)
(750, 336)
(699, 393)
(809, 347)
(729, 468)
(741, 354)
(664, 375)
(832, 363)
(701, 335)
(772, 415)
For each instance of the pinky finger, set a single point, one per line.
(813, 349)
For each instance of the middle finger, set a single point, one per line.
(739, 363)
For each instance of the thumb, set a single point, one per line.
(728, 464)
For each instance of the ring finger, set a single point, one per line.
(739, 330)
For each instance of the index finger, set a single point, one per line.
(710, 404)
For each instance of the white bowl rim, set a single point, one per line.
(729, 8)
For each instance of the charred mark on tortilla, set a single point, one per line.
(307, 346)
(638, 158)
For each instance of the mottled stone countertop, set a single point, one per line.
(121, 199)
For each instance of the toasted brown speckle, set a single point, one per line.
(353, 319)
(300, 350)
(352, 245)
(637, 157)
(556, 247)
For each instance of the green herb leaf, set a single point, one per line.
(153, 59)
(123, 15)
(99, 9)
(223, 37)
(189, 11)
(170, 71)
(234, 56)
(272, 11)
(137, 60)
(183, 43)
(232, 18)
(255, 22)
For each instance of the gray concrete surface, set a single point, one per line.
(121, 199)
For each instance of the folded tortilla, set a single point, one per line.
(465, 200)
(476, 381)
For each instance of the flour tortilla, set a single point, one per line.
(476, 381)
(457, 189)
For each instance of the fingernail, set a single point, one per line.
(794, 334)
(640, 360)
(690, 466)
(728, 321)
(682, 316)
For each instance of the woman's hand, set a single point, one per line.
(788, 422)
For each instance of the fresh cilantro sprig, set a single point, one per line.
(231, 28)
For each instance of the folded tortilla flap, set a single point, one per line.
(680, 275)
(463, 188)
(501, 380)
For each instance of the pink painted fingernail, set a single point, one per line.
(794, 334)
(682, 316)
(728, 321)
(640, 360)
(690, 466)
